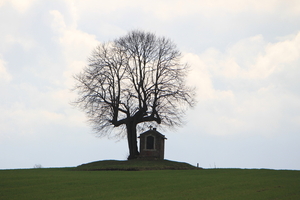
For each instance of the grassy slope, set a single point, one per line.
(159, 184)
(134, 165)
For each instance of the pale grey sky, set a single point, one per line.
(245, 60)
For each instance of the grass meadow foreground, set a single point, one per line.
(68, 183)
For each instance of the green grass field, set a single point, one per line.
(68, 183)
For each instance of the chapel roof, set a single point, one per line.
(153, 131)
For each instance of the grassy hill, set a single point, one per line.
(71, 183)
(135, 165)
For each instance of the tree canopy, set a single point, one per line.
(133, 80)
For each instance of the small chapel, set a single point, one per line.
(152, 145)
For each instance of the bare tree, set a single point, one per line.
(135, 79)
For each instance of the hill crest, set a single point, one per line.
(135, 165)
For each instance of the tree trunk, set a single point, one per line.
(132, 140)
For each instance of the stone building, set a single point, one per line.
(152, 145)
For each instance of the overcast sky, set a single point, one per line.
(245, 61)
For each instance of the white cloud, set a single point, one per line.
(253, 58)
(245, 89)
(208, 8)
(20, 5)
(76, 45)
(37, 110)
(26, 43)
(2, 2)
(4, 75)
(277, 57)
(198, 69)
(46, 105)
(104, 7)
(29, 118)
(167, 10)
(58, 22)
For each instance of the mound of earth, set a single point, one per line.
(135, 165)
